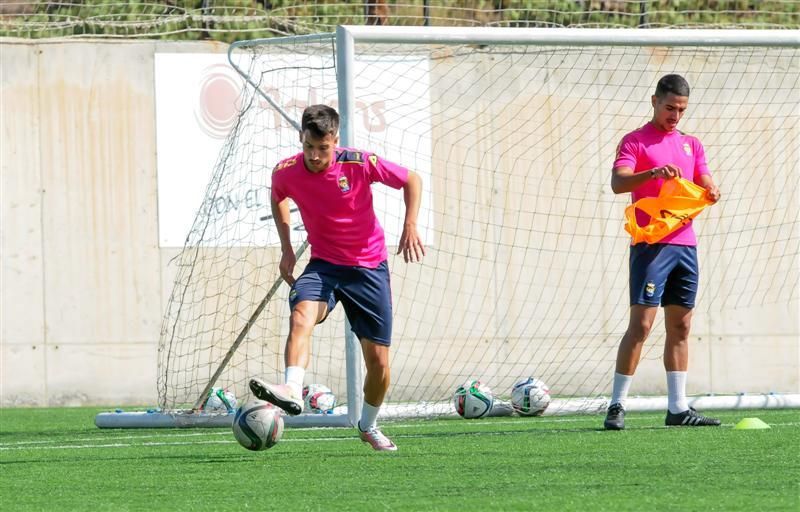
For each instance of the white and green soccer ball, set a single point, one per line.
(473, 399)
(220, 400)
(530, 397)
(318, 398)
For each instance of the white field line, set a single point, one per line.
(110, 434)
(37, 445)
(223, 431)
(165, 443)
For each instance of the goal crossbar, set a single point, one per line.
(571, 36)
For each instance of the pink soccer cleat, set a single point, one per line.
(377, 440)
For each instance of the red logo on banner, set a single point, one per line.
(217, 103)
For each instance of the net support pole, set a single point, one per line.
(242, 334)
(345, 51)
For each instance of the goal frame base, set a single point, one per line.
(189, 419)
(566, 407)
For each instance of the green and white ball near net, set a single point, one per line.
(473, 399)
(220, 400)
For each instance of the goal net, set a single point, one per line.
(527, 260)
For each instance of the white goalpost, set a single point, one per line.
(513, 131)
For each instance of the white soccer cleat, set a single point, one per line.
(280, 395)
(377, 440)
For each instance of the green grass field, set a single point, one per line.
(56, 459)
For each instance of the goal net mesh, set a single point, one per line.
(527, 261)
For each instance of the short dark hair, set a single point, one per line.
(674, 84)
(320, 120)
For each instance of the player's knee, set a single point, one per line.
(303, 317)
(679, 329)
(638, 331)
(377, 364)
(377, 360)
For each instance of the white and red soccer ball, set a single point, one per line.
(318, 398)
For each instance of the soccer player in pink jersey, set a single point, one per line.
(331, 188)
(665, 273)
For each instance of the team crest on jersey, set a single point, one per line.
(285, 163)
(650, 288)
(373, 160)
(687, 149)
(344, 185)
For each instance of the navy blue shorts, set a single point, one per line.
(663, 274)
(365, 293)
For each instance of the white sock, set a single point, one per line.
(294, 379)
(622, 383)
(676, 392)
(369, 415)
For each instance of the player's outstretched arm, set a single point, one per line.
(410, 242)
(282, 218)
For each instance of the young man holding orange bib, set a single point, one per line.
(665, 273)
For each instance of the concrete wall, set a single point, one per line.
(82, 294)
(85, 284)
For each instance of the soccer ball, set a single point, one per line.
(258, 425)
(530, 397)
(473, 399)
(319, 398)
(219, 400)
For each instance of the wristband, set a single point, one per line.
(652, 174)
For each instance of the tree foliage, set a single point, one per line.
(229, 20)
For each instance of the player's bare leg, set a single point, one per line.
(630, 348)
(376, 383)
(305, 315)
(678, 320)
(628, 355)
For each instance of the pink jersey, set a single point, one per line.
(648, 148)
(336, 204)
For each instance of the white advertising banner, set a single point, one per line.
(197, 98)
